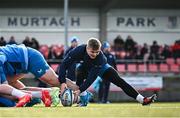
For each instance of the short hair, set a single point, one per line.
(94, 43)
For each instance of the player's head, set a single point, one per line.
(93, 47)
(74, 41)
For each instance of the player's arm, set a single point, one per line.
(90, 79)
(73, 56)
(87, 83)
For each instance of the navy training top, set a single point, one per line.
(93, 66)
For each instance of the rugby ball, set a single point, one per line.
(67, 98)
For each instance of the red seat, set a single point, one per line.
(44, 49)
(121, 68)
(54, 67)
(178, 61)
(142, 68)
(163, 68)
(132, 68)
(174, 68)
(153, 68)
(170, 61)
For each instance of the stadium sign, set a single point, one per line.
(139, 83)
(143, 23)
(137, 22)
(41, 21)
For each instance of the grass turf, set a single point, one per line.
(114, 110)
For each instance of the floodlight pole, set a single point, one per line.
(66, 22)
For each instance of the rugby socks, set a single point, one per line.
(140, 98)
(84, 93)
(36, 94)
(17, 93)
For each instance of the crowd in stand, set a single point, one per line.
(124, 49)
(128, 49)
(52, 52)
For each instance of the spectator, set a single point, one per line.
(138, 53)
(118, 43)
(176, 49)
(35, 43)
(129, 44)
(27, 41)
(2, 41)
(12, 40)
(154, 52)
(144, 50)
(166, 53)
(119, 47)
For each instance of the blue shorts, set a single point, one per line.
(2, 76)
(103, 69)
(37, 65)
(5, 102)
(2, 79)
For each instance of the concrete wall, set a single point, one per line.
(47, 25)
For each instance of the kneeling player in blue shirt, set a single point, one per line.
(93, 64)
(18, 60)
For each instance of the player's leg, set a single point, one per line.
(112, 75)
(100, 92)
(24, 98)
(6, 102)
(8, 91)
(14, 81)
(81, 74)
(50, 77)
(42, 93)
(47, 95)
(106, 87)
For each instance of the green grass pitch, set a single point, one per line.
(114, 110)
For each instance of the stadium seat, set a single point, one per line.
(174, 68)
(54, 67)
(121, 68)
(170, 61)
(153, 68)
(44, 49)
(132, 68)
(178, 61)
(142, 68)
(163, 68)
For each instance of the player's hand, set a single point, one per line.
(63, 87)
(76, 95)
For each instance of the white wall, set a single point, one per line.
(160, 29)
(89, 25)
(42, 30)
